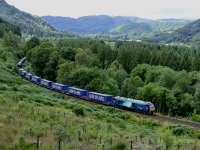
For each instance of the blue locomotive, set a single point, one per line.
(122, 102)
(133, 104)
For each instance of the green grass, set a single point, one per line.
(28, 111)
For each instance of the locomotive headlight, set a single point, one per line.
(152, 109)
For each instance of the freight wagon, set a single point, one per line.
(28, 76)
(59, 87)
(22, 72)
(77, 92)
(46, 83)
(36, 79)
(101, 98)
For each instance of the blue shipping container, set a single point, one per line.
(77, 91)
(22, 72)
(46, 83)
(59, 87)
(103, 98)
(36, 79)
(28, 76)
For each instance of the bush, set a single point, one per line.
(196, 117)
(150, 123)
(3, 87)
(79, 111)
(181, 130)
(125, 116)
(168, 140)
(14, 88)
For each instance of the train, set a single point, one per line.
(106, 99)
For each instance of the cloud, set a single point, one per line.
(142, 8)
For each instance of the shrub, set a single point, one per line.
(181, 130)
(14, 88)
(168, 140)
(3, 87)
(122, 124)
(125, 116)
(79, 111)
(196, 117)
(150, 122)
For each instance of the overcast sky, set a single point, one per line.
(142, 8)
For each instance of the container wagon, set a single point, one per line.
(77, 92)
(59, 87)
(46, 83)
(28, 76)
(36, 79)
(22, 72)
(101, 98)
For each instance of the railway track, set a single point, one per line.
(176, 121)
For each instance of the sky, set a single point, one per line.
(152, 9)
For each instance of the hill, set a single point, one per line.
(90, 24)
(29, 24)
(118, 26)
(190, 33)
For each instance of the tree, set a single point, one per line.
(50, 71)
(197, 99)
(126, 58)
(40, 57)
(117, 72)
(60, 135)
(82, 58)
(11, 40)
(171, 102)
(183, 81)
(105, 55)
(186, 105)
(32, 43)
(68, 53)
(141, 70)
(154, 93)
(110, 87)
(131, 85)
(167, 78)
(63, 73)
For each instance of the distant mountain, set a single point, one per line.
(118, 26)
(29, 25)
(173, 20)
(91, 24)
(190, 33)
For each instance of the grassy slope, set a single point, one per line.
(27, 110)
